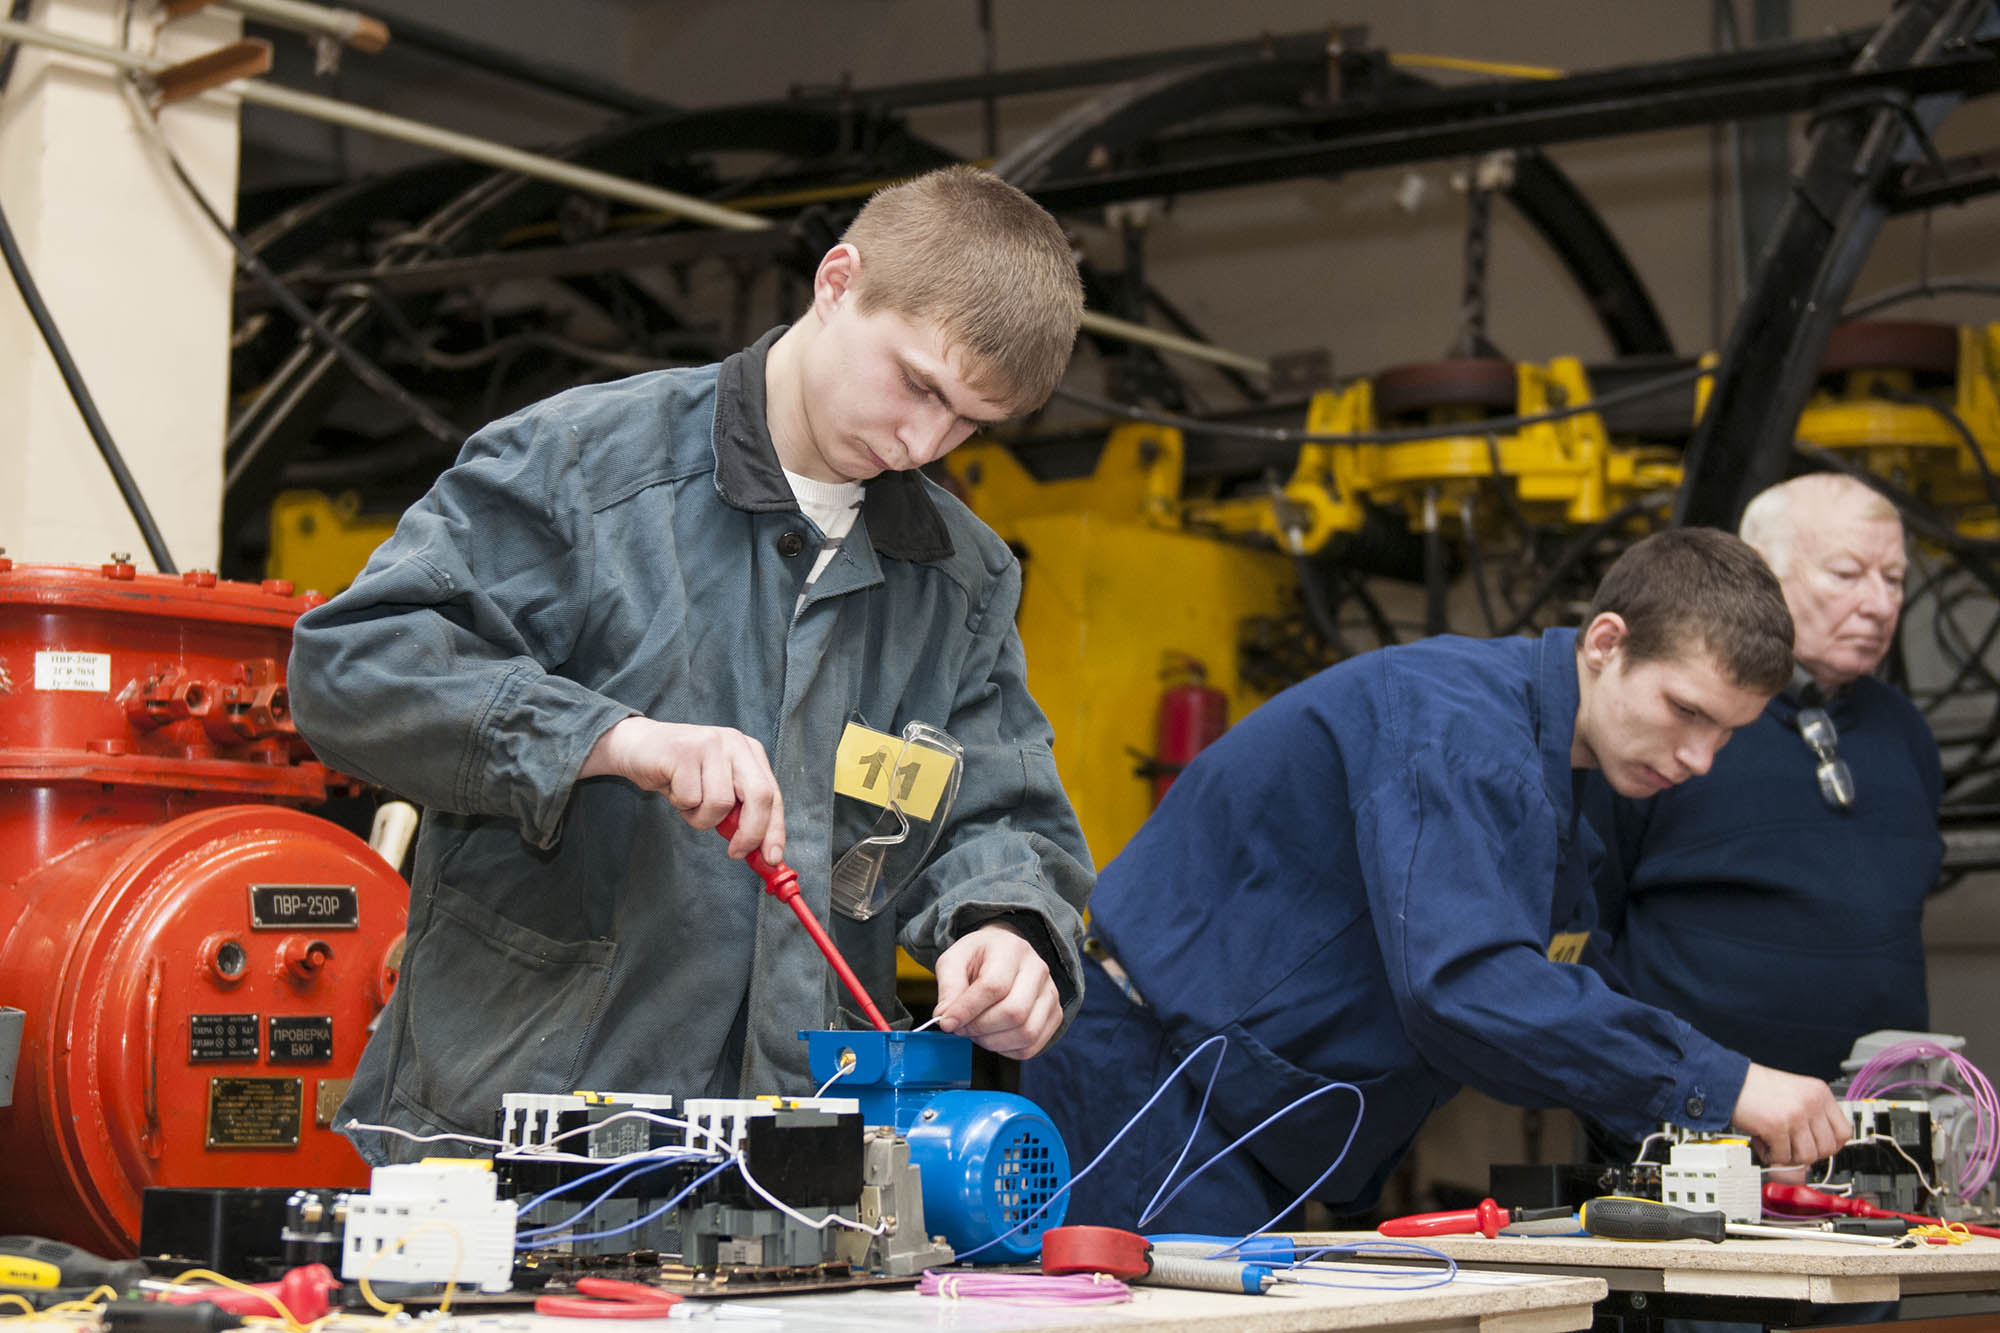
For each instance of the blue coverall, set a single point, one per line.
(1365, 881)
(1773, 922)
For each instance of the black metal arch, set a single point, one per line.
(1113, 130)
(1829, 223)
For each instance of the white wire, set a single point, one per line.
(422, 1138)
(725, 1149)
(1922, 1179)
(1639, 1153)
(665, 1153)
(820, 1224)
(838, 1075)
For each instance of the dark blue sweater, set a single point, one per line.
(1779, 926)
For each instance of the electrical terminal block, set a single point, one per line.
(433, 1221)
(1714, 1174)
(533, 1120)
(717, 1121)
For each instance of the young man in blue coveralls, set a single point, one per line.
(1379, 878)
(634, 607)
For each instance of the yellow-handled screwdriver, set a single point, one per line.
(1618, 1217)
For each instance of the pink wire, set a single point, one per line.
(1984, 1156)
(1025, 1288)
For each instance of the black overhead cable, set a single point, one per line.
(364, 369)
(24, 281)
(8, 50)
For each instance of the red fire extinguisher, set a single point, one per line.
(1193, 714)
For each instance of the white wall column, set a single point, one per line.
(138, 284)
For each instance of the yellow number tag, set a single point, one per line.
(867, 769)
(1567, 946)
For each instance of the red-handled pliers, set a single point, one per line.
(608, 1298)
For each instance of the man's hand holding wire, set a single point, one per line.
(1791, 1120)
(994, 988)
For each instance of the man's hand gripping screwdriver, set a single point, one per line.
(782, 883)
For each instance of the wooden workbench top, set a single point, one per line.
(1811, 1270)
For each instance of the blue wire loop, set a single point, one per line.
(1153, 1206)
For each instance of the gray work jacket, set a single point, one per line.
(634, 548)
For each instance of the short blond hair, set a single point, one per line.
(1771, 520)
(964, 250)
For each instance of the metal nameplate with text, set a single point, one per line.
(296, 1040)
(304, 907)
(255, 1112)
(222, 1037)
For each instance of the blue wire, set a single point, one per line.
(1106, 1151)
(636, 1170)
(692, 1186)
(1157, 1203)
(1208, 1089)
(598, 1174)
(1356, 1247)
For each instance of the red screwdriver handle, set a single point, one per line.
(782, 883)
(1486, 1220)
(1803, 1198)
(780, 880)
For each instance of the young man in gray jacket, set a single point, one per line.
(635, 607)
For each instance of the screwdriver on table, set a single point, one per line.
(35, 1262)
(1488, 1219)
(1615, 1217)
(1804, 1198)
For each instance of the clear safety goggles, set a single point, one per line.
(923, 779)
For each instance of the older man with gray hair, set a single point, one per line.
(1777, 903)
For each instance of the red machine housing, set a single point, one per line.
(198, 959)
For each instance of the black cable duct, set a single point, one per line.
(79, 392)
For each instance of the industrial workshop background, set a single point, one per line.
(1374, 217)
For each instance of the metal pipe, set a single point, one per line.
(414, 132)
(443, 44)
(561, 173)
(360, 31)
(1113, 327)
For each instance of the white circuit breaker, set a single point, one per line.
(1718, 1174)
(436, 1221)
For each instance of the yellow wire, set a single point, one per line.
(1498, 69)
(451, 1283)
(1951, 1233)
(205, 1275)
(85, 1304)
(22, 1301)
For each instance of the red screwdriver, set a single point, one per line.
(782, 883)
(1805, 1199)
(1488, 1219)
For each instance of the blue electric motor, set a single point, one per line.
(989, 1160)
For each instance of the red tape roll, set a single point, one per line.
(1122, 1254)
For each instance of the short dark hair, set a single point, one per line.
(1701, 589)
(963, 249)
